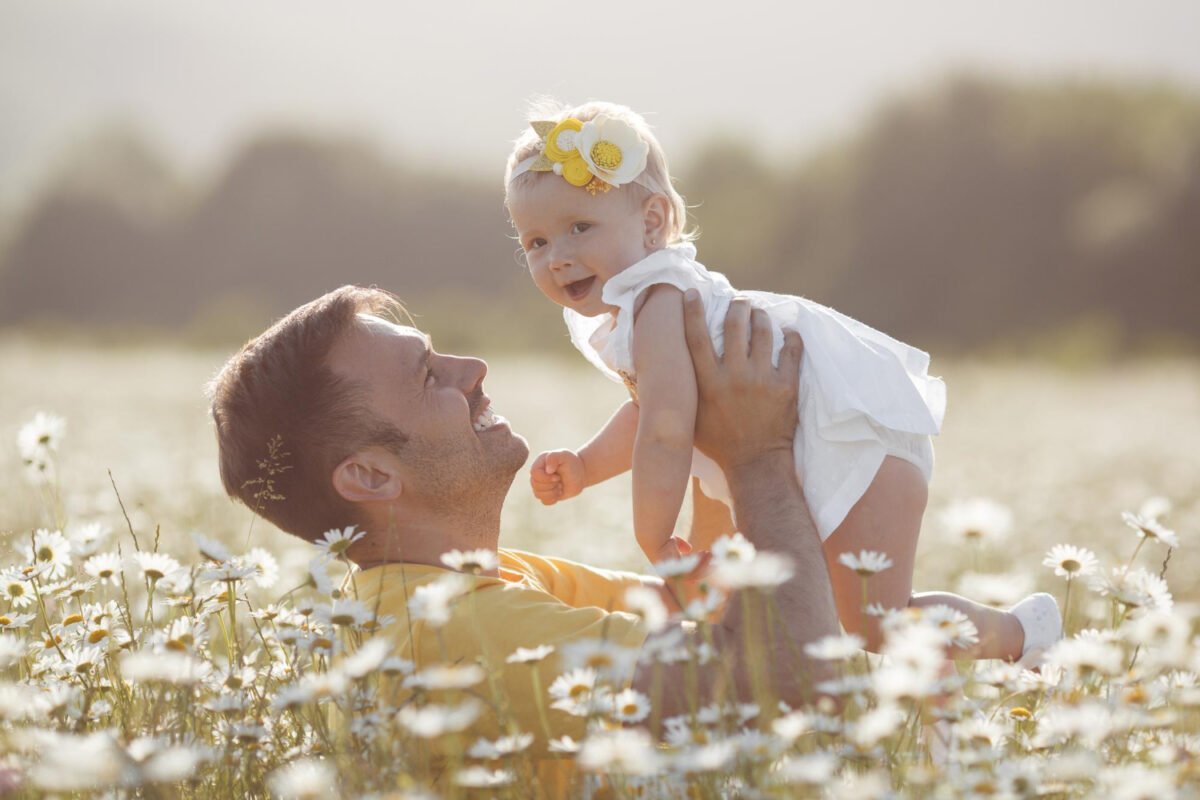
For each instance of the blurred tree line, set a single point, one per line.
(978, 214)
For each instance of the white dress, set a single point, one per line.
(862, 394)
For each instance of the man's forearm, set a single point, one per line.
(773, 515)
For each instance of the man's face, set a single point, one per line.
(457, 446)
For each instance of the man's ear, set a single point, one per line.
(367, 476)
(656, 211)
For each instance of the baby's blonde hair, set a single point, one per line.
(528, 144)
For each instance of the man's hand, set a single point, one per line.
(557, 475)
(747, 406)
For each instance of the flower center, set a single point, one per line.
(606, 155)
(1071, 565)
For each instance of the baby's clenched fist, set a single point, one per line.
(557, 475)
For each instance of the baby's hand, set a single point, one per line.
(672, 549)
(557, 475)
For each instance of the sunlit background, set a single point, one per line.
(1014, 187)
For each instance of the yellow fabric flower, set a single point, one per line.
(563, 150)
(576, 171)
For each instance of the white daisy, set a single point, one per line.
(483, 778)
(343, 613)
(433, 720)
(1134, 588)
(647, 603)
(954, 625)
(764, 571)
(178, 669)
(1069, 561)
(211, 549)
(814, 769)
(624, 751)
(676, 567)
(369, 657)
(866, 563)
(574, 686)
(630, 706)
(88, 539)
(16, 589)
(12, 650)
(266, 568)
(529, 655)
(50, 553)
(1150, 528)
(503, 747)
(307, 779)
(835, 648)
(155, 566)
(606, 658)
(875, 725)
(733, 548)
(433, 601)
(446, 676)
(337, 541)
(473, 562)
(41, 435)
(977, 520)
(11, 621)
(228, 572)
(564, 744)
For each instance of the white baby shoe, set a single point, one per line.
(1039, 616)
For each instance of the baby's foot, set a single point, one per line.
(1039, 617)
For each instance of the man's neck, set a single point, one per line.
(422, 538)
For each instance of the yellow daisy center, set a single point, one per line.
(606, 155)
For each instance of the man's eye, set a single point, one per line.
(428, 377)
(580, 227)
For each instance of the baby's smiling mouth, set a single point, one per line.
(577, 290)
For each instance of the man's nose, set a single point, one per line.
(471, 372)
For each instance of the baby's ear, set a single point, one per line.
(656, 212)
(368, 476)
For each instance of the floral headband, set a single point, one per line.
(597, 155)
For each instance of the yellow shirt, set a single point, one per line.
(535, 601)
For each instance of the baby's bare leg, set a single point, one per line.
(887, 519)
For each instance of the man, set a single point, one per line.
(338, 416)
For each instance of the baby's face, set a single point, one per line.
(575, 241)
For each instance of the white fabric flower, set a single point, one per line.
(612, 150)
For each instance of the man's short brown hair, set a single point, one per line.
(285, 419)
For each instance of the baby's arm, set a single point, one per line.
(662, 452)
(562, 474)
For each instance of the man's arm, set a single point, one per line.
(746, 420)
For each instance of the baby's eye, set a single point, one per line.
(580, 227)
(534, 244)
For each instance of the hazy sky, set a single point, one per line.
(446, 82)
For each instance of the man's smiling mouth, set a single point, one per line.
(486, 419)
(577, 290)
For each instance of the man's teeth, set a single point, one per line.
(486, 419)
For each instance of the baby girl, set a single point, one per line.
(605, 236)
